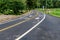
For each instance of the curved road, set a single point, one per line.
(13, 29)
(49, 29)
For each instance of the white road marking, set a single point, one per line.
(37, 18)
(30, 15)
(30, 29)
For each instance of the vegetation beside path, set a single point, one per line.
(53, 11)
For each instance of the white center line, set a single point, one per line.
(30, 29)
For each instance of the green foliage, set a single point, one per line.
(31, 4)
(15, 6)
(50, 3)
(55, 12)
(8, 11)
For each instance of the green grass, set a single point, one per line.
(39, 9)
(53, 12)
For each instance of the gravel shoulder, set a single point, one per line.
(4, 18)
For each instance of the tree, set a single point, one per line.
(16, 6)
(31, 4)
(57, 4)
(49, 4)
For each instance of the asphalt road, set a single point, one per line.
(49, 29)
(12, 30)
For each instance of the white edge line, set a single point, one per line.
(30, 29)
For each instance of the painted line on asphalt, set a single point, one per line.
(30, 29)
(17, 24)
(12, 26)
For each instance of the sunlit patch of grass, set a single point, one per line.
(52, 11)
(55, 12)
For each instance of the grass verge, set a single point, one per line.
(53, 11)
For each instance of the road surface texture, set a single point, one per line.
(49, 29)
(12, 30)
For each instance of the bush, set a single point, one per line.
(8, 12)
(6, 7)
